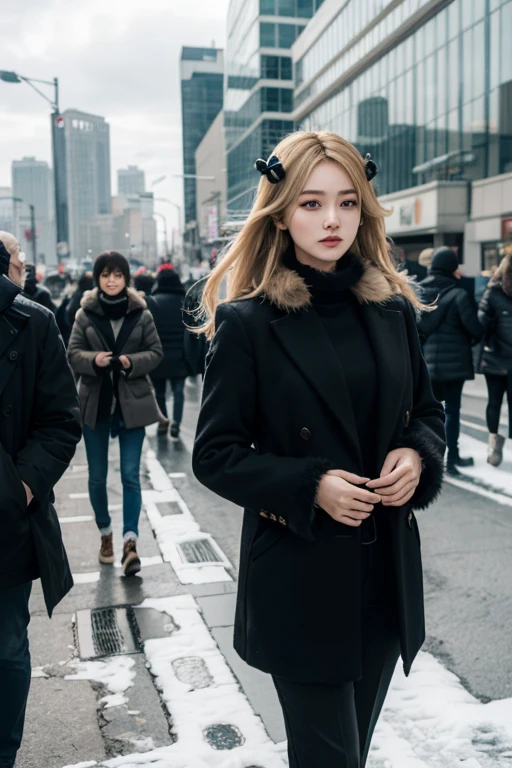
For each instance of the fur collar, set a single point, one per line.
(91, 302)
(288, 291)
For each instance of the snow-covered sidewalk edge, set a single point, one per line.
(495, 482)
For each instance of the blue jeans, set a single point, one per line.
(130, 448)
(178, 394)
(15, 670)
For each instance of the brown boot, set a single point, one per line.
(495, 452)
(130, 560)
(163, 427)
(107, 549)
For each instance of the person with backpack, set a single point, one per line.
(166, 306)
(495, 314)
(448, 334)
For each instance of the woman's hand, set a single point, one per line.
(399, 477)
(339, 495)
(125, 361)
(102, 359)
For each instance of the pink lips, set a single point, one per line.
(330, 242)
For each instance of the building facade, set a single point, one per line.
(202, 79)
(211, 193)
(426, 87)
(32, 182)
(8, 211)
(258, 101)
(131, 181)
(87, 139)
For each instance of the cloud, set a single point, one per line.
(115, 58)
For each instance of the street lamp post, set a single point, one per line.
(166, 241)
(59, 191)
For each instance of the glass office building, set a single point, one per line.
(258, 99)
(202, 83)
(425, 87)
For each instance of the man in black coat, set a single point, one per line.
(449, 332)
(166, 305)
(35, 292)
(40, 427)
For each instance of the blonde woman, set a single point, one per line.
(319, 419)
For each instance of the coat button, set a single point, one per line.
(409, 519)
(13, 356)
(407, 419)
(8, 410)
(305, 433)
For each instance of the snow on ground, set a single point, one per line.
(115, 673)
(491, 478)
(171, 530)
(431, 721)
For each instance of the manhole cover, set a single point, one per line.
(193, 671)
(223, 736)
(199, 551)
(107, 632)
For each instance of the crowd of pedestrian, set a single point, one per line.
(133, 339)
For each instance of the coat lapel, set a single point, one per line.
(388, 336)
(304, 338)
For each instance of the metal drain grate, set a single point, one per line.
(199, 551)
(107, 637)
(107, 632)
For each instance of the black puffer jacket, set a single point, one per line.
(165, 304)
(447, 351)
(495, 314)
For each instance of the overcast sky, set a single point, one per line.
(115, 58)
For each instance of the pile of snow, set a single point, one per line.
(495, 478)
(115, 673)
(430, 721)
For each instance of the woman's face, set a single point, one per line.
(324, 221)
(112, 283)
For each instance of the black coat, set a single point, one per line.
(166, 305)
(41, 296)
(40, 421)
(447, 351)
(495, 314)
(274, 418)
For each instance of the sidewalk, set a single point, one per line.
(141, 671)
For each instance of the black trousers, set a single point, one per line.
(332, 726)
(450, 393)
(496, 387)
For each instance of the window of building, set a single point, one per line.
(270, 67)
(267, 34)
(268, 7)
(305, 8)
(286, 35)
(286, 7)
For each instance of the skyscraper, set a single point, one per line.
(130, 181)
(32, 182)
(258, 100)
(88, 173)
(202, 77)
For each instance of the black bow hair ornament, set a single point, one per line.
(272, 169)
(370, 168)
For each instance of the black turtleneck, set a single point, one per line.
(340, 313)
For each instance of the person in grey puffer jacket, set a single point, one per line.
(449, 332)
(495, 314)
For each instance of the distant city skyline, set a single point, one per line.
(106, 66)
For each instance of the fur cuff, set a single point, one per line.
(306, 522)
(431, 449)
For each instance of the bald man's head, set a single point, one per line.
(11, 258)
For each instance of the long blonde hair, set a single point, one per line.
(256, 254)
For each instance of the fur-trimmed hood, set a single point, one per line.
(289, 291)
(91, 302)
